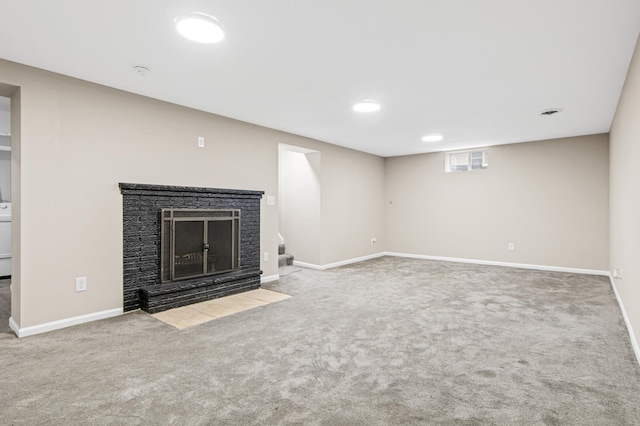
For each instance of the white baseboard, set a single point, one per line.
(454, 259)
(507, 264)
(56, 325)
(269, 278)
(14, 326)
(336, 264)
(634, 342)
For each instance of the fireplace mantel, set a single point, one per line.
(142, 203)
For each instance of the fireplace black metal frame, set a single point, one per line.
(168, 257)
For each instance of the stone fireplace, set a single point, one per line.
(183, 245)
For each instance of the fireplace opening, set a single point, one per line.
(199, 242)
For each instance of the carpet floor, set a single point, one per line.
(389, 341)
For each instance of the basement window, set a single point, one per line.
(464, 161)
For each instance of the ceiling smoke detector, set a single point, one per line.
(141, 70)
(550, 111)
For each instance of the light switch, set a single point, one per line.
(271, 200)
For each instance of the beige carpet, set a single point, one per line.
(199, 313)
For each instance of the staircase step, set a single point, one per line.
(281, 249)
(285, 259)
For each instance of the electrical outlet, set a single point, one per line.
(511, 247)
(200, 142)
(265, 257)
(373, 240)
(617, 274)
(81, 284)
(271, 200)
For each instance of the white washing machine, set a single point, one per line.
(5, 239)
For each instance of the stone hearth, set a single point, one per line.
(142, 287)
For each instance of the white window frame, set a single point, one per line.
(452, 154)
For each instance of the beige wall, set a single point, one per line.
(352, 204)
(549, 198)
(625, 196)
(75, 141)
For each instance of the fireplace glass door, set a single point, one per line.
(199, 242)
(188, 244)
(220, 233)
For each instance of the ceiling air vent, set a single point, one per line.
(550, 111)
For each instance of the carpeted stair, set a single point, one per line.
(283, 258)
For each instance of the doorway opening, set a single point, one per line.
(299, 192)
(5, 213)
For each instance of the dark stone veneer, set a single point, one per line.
(141, 206)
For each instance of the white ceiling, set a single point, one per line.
(477, 71)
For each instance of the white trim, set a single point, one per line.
(507, 264)
(336, 264)
(56, 325)
(632, 336)
(294, 148)
(308, 265)
(269, 278)
(14, 326)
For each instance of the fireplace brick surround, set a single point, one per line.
(141, 245)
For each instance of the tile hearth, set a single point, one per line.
(199, 313)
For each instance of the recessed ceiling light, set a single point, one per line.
(366, 105)
(550, 111)
(435, 137)
(200, 27)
